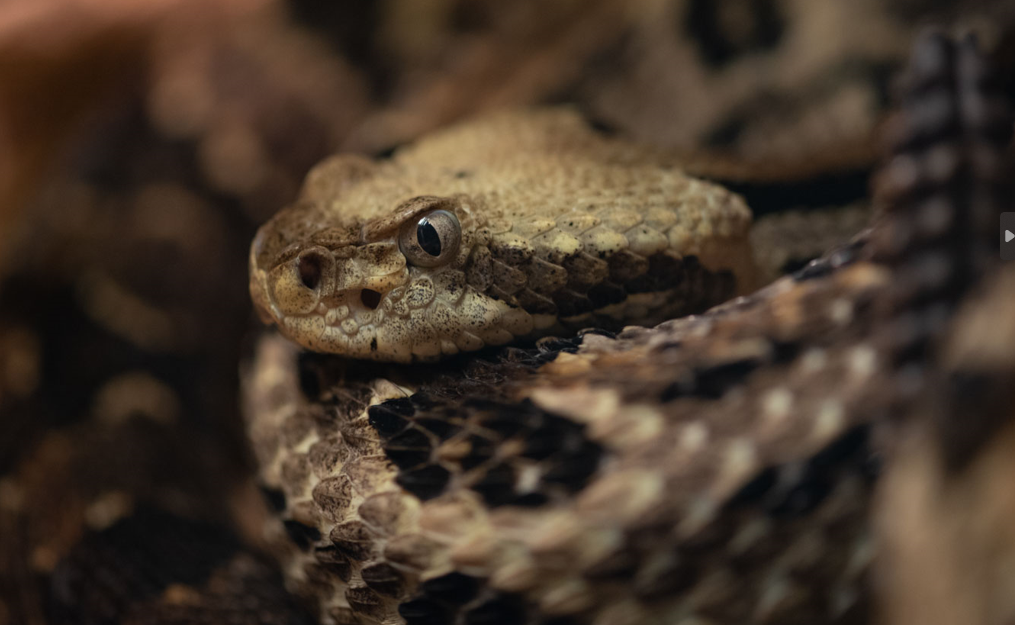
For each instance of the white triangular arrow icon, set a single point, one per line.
(1008, 236)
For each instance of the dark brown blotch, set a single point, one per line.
(570, 303)
(442, 428)
(275, 498)
(584, 271)
(423, 611)
(425, 482)
(500, 609)
(535, 303)
(481, 449)
(389, 418)
(497, 485)
(554, 435)
(455, 588)
(625, 266)
(664, 272)
(605, 294)
(712, 381)
(572, 469)
(409, 448)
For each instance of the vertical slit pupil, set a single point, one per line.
(427, 237)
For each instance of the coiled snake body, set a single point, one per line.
(616, 482)
(445, 464)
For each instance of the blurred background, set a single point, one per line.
(142, 143)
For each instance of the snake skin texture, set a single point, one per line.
(688, 471)
(834, 448)
(712, 469)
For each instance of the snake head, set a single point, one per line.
(391, 286)
(509, 227)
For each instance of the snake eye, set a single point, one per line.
(432, 240)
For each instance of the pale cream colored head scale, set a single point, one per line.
(486, 232)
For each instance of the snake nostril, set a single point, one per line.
(309, 267)
(370, 298)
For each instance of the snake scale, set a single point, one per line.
(717, 468)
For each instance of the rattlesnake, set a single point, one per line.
(712, 469)
(716, 468)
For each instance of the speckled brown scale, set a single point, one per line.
(556, 223)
